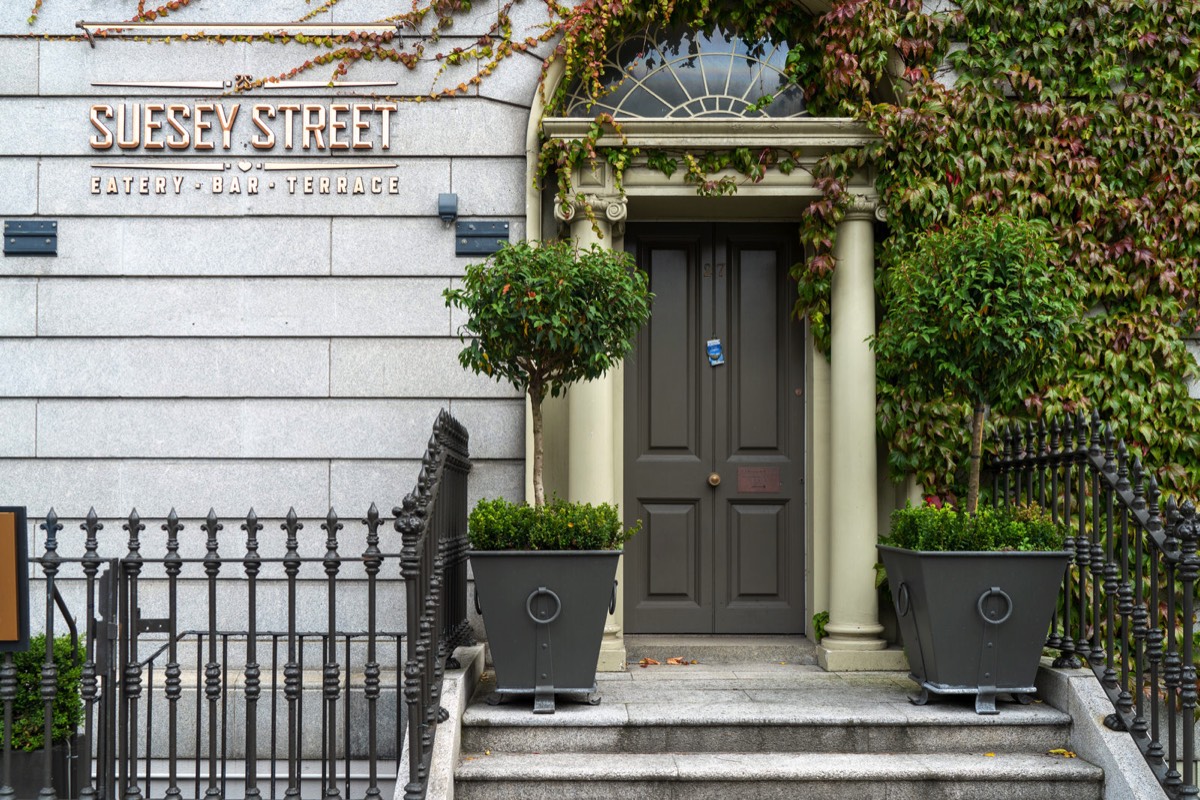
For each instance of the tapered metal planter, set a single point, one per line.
(974, 622)
(28, 770)
(544, 615)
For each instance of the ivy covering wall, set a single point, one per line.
(1083, 113)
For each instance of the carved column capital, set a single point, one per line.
(609, 208)
(865, 207)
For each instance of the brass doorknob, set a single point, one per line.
(714, 480)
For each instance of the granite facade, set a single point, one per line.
(228, 325)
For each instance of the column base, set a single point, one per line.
(850, 636)
(612, 656)
(835, 660)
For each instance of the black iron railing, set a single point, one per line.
(433, 526)
(1127, 607)
(262, 674)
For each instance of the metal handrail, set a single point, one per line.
(433, 526)
(1127, 605)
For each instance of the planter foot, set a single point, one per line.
(543, 701)
(922, 699)
(496, 699)
(985, 702)
(1022, 698)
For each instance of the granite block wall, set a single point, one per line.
(230, 322)
(224, 325)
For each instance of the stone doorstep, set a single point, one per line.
(720, 649)
(773, 775)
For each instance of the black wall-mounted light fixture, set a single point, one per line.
(448, 207)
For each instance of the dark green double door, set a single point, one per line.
(714, 454)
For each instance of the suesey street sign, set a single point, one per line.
(212, 125)
(176, 136)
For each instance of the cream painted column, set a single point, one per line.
(592, 412)
(853, 629)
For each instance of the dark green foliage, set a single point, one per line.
(948, 529)
(558, 525)
(977, 312)
(543, 315)
(29, 709)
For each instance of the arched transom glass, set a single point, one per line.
(689, 74)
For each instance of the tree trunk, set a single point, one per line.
(539, 492)
(976, 457)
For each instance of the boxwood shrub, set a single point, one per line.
(1023, 528)
(501, 525)
(28, 708)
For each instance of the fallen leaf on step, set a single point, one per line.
(1058, 751)
(990, 755)
(648, 662)
(677, 661)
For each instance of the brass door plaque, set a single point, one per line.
(761, 480)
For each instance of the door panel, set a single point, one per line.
(672, 532)
(669, 425)
(727, 558)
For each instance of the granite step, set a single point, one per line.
(766, 730)
(775, 776)
(787, 710)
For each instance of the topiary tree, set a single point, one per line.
(978, 311)
(543, 315)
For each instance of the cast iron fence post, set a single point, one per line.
(212, 669)
(49, 689)
(291, 671)
(332, 675)
(8, 693)
(253, 563)
(372, 560)
(173, 565)
(88, 683)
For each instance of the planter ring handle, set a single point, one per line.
(995, 591)
(903, 600)
(529, 605)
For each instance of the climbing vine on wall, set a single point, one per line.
(1084, 113)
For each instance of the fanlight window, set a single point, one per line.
(689, 74)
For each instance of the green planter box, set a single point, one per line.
(544, 615)
(974, 622)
